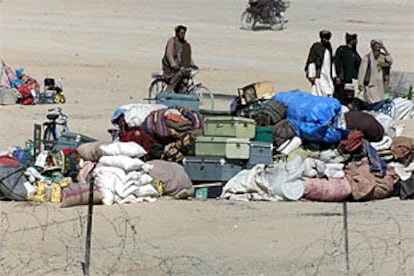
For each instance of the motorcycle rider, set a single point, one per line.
(267, 8)
(177, 56)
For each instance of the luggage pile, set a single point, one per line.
(18, 87)
(286, 146)
(225, 149)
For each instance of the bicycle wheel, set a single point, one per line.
(206, 97)
(247, 21)
(156, 86)
(48, 139)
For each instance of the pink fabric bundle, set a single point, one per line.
(322, 189)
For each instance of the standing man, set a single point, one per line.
(347, 61)
(319, 66)
(374, 73)
(177, 56)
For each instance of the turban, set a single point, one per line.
(375, 41)
(349, 37)
(325, 34)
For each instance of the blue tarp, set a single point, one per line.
(315, 118)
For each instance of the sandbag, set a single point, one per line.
(315, 118)
(403, 149)
(331, 190)
(91, 151)
(173, 176)
(121, 161)
(130, 149)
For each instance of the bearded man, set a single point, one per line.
(347, 62)
(176, 57)
(319, 66)
(374, 73)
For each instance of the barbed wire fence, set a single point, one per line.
(43, 239)
(48, 240)
(377, 245)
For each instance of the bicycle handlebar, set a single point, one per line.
(59, 111)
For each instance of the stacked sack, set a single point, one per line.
(121, 176)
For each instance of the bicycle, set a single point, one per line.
(50, 133)
(159, 83)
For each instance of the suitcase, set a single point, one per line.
(71, 140)
(264, 134)
(210, 168)
(260, 153)
(230, 148)
(210, 190)
(175, 99)
(228, 126)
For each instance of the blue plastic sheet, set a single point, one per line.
(315, 118)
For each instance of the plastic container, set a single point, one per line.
(264, 134)
(55, 193)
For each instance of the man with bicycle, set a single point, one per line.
(177, 58)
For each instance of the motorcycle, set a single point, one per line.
(272, 14)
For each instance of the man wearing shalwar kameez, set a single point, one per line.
(374, 72)
(319, 66)
(347, 61)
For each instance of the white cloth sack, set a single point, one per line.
(313, 167)
(286, 178)
(130, 149)
(123, 162)
(118, 187)
(249, 185)
(135, 114)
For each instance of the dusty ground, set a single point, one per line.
(105, 51)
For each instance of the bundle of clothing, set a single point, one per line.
(165, 133)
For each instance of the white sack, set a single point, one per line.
(135, 114)
(130, 149)
(286, 178)
(251, 183)
(123, 162)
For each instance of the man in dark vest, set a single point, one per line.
(176, 57)
(347, 61)
(319, 66)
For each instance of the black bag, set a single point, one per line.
(268, 112)
(12, 182)
(282, 131)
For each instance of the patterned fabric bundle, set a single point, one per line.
(156, 123)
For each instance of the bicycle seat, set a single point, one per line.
(52, 116)
(156, 75)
